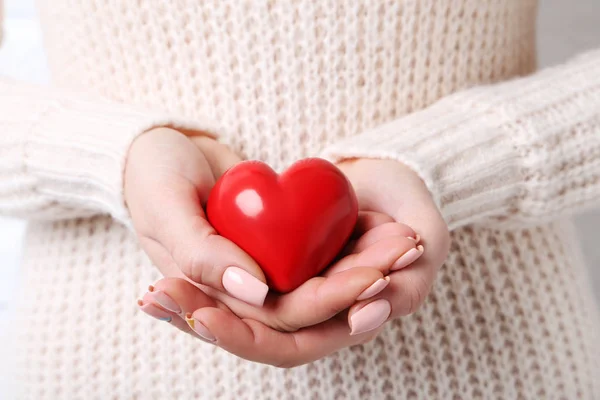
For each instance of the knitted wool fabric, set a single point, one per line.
(423, 82)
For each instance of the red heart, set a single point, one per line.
(293, 224)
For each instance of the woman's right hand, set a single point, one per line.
(168, 178)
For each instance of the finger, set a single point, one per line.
(410, 286)
(407, 290)
(386, 255)
(179, 296)
(315, 301)
(382, 231)
(170, 299)
(369, 315)
(320, 298)
(368, 220)
(169, 213)
(257, 342)
(219, 156)
(210, 259)
(155, 311)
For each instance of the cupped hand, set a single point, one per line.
(408, 258)
(301, 326)
(403, 197)
(168, 178)
(167, 181)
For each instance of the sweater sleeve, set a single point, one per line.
(62, 154)
(521, 151)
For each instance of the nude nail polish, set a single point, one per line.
(370, 317)
(408, 258)
(200, 328)
(154, 311)
(374, 289)
(164, 300)
(241, 285)
(415, 239)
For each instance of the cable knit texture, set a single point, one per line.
(426, 82)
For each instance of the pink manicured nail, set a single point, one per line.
(241, 285)
(199, 328)
(408, 258)
(374, 289)
(415, 239)
(164, 300)
(370, 316)
(154, 311)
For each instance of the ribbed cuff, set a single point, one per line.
(77, 151)
(502, 152)
(445, 145)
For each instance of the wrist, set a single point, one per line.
(355, 165)
(388, 179)
(140, 153)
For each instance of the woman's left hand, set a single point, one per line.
(394, 191)
(392, 199)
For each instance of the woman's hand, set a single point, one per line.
(381, 245)
(399, 194)
(168, 179)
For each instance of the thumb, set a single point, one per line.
(168, 179)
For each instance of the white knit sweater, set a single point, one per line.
(426, 82)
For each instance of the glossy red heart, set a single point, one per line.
(293, 224)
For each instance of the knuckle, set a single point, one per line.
(417, 297)
(323, 301)
(184, 258)
(191, 254)
(283, 325)
(190, 262)
(318, 303)
(203, 263)
(403, 229)
(199, 227)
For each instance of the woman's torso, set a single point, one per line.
(507, 317)
(283, 78)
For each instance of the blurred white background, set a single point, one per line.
(21, 57)
(565, 28)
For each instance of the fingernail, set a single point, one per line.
(370, 317)
(415, 239)
(374, 289)
(241, 285)
(408, 258)
(199, 328)
(164, 300)
(154, 311)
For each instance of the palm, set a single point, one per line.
(312, 321)
(285, 327)
(372, 247)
